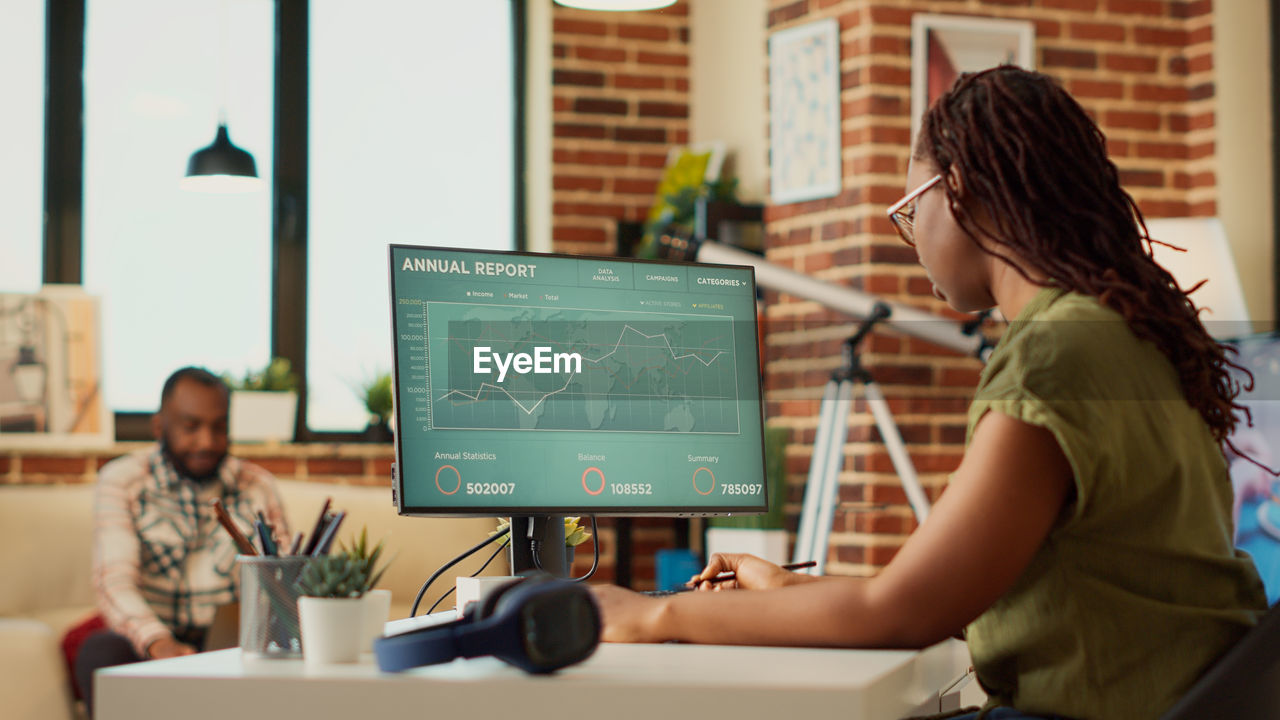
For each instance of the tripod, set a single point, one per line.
(821, 489)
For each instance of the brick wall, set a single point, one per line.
(620, 94)
(1143, 68)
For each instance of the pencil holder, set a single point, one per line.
(269, 606)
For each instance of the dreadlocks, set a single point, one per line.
(1036, 164)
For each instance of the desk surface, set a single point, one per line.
(626, 681)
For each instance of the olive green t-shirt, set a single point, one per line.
(1138, 587)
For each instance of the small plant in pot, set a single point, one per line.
(264, 403)
(333, 609)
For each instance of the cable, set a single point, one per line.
(423, 590)
(448, 592)
(595, 552)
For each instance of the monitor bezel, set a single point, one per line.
(398, 475)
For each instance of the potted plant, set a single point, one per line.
(332, 608)
(375, 393)
(264, 403)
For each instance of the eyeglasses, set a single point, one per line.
(903, 213)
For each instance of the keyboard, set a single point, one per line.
(664, 593)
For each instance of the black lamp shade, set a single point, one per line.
(221, 158)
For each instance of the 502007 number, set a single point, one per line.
(485, 488)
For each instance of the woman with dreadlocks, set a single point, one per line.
(1090, 519)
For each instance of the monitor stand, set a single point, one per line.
(548, 532)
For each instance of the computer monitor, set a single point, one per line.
(1257, 493)
(540, 385)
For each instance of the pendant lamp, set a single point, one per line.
(617, 5)
(221, 167)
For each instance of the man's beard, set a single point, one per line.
(182, 468)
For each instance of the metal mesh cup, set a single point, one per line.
(269, 606)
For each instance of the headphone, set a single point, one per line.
(537, 623)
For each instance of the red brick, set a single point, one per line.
(1203, 91)
(587, 209)
(1144, 92)
(1097, 31)
(381, 467)
(578, 130)
(282, 466)
(647, 57)
(1203, 150)
(1178, 65)
(1095, 89)
(1200, 63)
(1208, 208)
(651, 160)
(639, 134)
(1178, 122)
(1047, 29)
(1205, 179)
(1062, 57)
(1164, 208)
(335, 466)
(579, 27)
(581, 78)
(1160, 36)
(1125, 62)
(664, 109)
(52, 464)
(1142, 178)
(599, 54)
(561, 104)
(579, 234)
(635, 186)
(786, 13)
(600, 106)
(644, 32)
(1162, 150)
(1085, 5)
(577, 182)
(590, 157)
(1200, 35)
(882, 74)
(5, 464)
(1132, 120)
(890, 15)
(1203, 121)
(639, 82)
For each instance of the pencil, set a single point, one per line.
(314, 538)
(242, 542)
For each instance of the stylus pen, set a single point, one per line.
(316, 531)
(330, 531)
(733, 576)
(242, 543)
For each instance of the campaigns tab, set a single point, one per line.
(669, 278)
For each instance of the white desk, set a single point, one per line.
(620, 682)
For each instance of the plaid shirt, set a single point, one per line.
(162, 563)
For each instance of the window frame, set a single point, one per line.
(64, 179)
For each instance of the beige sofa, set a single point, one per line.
(45, 542)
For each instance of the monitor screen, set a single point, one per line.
(538, 384)
(1257, 493)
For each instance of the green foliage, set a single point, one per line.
(278, 376)
(350, 573)
(376, 395)
(679, 211)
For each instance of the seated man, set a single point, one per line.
(162, 564)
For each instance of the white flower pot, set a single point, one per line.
(333, 629)
(262, 416)
(377, 610)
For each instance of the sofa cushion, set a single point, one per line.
(47, 535)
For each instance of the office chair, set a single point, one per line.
(1243, 684)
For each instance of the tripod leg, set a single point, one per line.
(824, 474)
(897, 450)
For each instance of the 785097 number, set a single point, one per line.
(741, 489)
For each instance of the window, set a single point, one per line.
(184, 277)
(22, 144)
(412, 110)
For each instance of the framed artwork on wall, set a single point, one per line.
(944, 46)
(51, 371)
(804, 112)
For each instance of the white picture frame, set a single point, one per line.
(804, 113)
(944, 46)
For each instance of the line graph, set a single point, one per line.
(639, 371)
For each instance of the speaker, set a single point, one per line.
(538, 624)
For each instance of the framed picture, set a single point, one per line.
(804, 112)
(51, 370)
(944, 46)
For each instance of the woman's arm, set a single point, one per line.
(980, 536)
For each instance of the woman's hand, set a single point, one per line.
(753, 573)
(629, 617)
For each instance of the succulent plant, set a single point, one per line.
(349, 573)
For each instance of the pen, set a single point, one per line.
(732, 576)
(242, 543)
(323, 518)
(330, 531)
(297, 543)
(264, 536)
